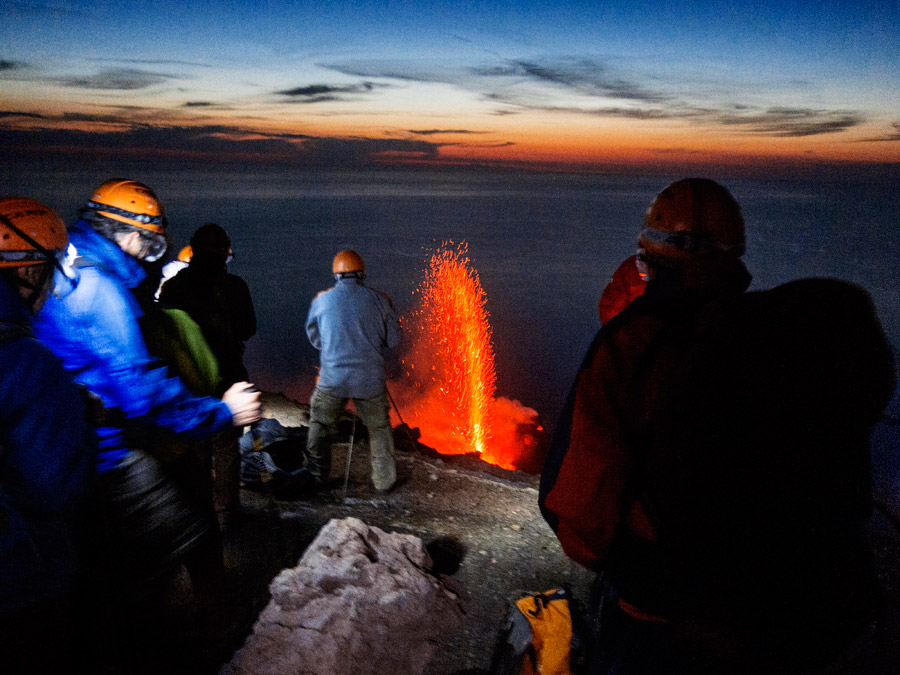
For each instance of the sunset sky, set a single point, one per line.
(578, 84)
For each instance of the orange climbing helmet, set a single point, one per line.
(691, 216)
(347, 261)
(129, 202)
(31, 233)
(120, 205)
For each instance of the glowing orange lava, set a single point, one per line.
(449, 384)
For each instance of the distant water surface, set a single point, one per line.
(543, 244)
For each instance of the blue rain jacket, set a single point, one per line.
(94, 330)
(47, 450)
(353, 326)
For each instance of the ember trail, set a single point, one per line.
(450, 384)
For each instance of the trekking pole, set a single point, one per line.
(349, 456)
(412, 442)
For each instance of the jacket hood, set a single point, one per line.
(98, 249)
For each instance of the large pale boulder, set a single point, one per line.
(360, 601)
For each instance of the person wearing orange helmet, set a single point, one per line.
(155, 515)
(712, 461)
(353, 326)
(47, 449)
(221, 304)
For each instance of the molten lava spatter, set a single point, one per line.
(451, 362)
(450, 381)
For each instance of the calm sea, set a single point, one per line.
(543, 244)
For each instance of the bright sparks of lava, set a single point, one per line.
(452, 360)
(449, 384)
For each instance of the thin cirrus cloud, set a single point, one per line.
(583, 76)
(436, 132)
(774, 122)
(155, 62)
(320, 93)
(516, 87)
(792, 122)
(13, 114)
(392, 70)
(117, 79)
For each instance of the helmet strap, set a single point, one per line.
(48, 255)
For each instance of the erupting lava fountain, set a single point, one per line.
(449, 384)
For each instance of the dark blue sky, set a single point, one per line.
(516, 82)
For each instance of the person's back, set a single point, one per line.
(755, 464)
(175, 338)
(347, 323)
(218, 301)
(713, 460)
(353, 326)
(47, 454)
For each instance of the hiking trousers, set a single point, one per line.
(374, 413)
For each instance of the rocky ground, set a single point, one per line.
(485, 517)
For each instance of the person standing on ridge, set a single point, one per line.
(155, 521)
(712, 463)
(221, 305)
(353, 326)
(47, 452)
(217, 300)
(628, 282)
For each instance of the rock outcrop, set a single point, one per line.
(359, 601)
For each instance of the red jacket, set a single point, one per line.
(714, 449)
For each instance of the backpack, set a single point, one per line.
(541, 635)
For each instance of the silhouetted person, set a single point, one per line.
(713, 461)
(47, 453)
(221, 305)
(218, 301)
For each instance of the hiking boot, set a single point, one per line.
(384, 473)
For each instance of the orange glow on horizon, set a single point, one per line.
(530, 138)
